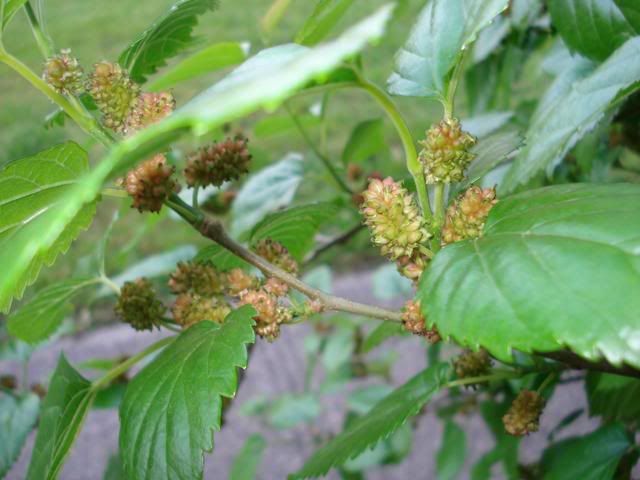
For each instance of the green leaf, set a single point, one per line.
(569, 253)
(452, 453)
(443, 31)
(18, 415)
(207, 60)
(114, 469)
(631, 10)
(593, 28)
(41, 317)
(367, 139)
(380, 334)
(274, 15)
(169, 35)
(63, 412)
(181, 391)
(221, 258)
(263, 81)
(569, 115)
(380, 422)
(11, 7)
(266, 191)
(323, 19)
(491, 152)
(245, 465)
(280, 124)
(31, 188)
(613, 397)
(592, 457)
(296, 227)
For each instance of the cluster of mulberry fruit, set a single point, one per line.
(467, 215)
(472, 364)
(150, 183)
(523, 417)
(414, 322)
(138, 305)
(218, 163)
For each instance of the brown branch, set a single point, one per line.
(578, 363)
(213, 230)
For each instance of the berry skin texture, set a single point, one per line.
(445, 155)
(277, 254)
(472, 364)
(150, 183)
(148, 109)
(191, 308)
(218, 163)
(523, 417)
(114, 92)
(467, 215)
(138, 305)
(63, 73)
(269, 313)
(393, 219)
(414, 322)
(238, 281)
(199, 278)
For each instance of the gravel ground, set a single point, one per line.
(274, 369)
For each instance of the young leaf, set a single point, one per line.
(29, 189)
(452, 453)
(569, 116)
(592, 457)
(570, 253)
(613, 397)
(295, 228)
(220, 257)
(267, 191)
(593, 28)
(42, 316)
(444, 29)
(380, 422)
(18, 415)
(63, 412)
(245, 465)
(168, 36)
(324, 17)
(207, 60)
(172, 407)
(366, 139)
(262, 81)
(11, 7)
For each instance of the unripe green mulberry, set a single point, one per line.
(413, 266)
(523, 417)
(445, 155)
(63, 73)
(414, 322)
(138, 305)
(467, 214)
(190, 308)
(472, 364)
(218, 163)
(149, 108)
(114, 92)
(393, 219)
(199, 278)
(150, 183)
(277, 254)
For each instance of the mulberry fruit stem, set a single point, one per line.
(411, 155)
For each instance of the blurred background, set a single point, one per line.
(299, 390)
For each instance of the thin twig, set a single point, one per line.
(578, 363)
(339, 240)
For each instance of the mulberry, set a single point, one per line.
(238, 281)
(446, 155)
(114, 92)
(148, 109)
(467, 215)
(150, 183)
(196, 277)
(138, 305)
(63, 73)
(218, 163)
(269, 313)
(472, 364)
(277, 254)
(190, 308)
(414, 322)
(523, 417)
